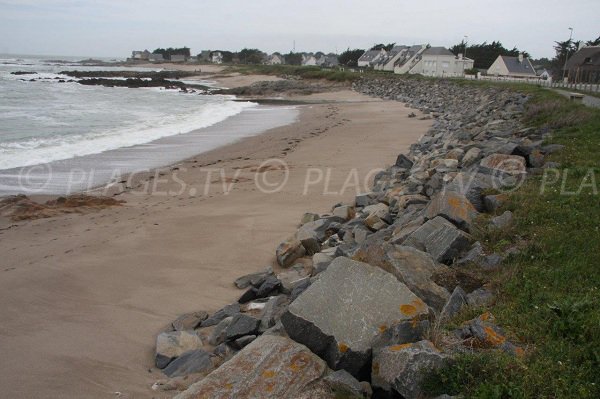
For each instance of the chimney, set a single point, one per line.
(460, 56)
(520, 58)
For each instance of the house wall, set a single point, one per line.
(498, 68)
(441, 66)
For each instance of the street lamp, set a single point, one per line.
(567, 54)
(466, 40)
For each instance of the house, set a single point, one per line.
(370, 58)
(216, 57)
(440, 62)
(328, 61)
(397, 56)
(178, 58)
(543, 74)
(275, 59)
(308, 59)
(584, 65)
(204, 56)
(516, 67)
(156, 58)
(140, 55)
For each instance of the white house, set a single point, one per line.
(275, 59)
(216, 57)
(440, 62)
(309, 59)
(517, 67)
(140, 55)
(544, 74)
(371, 57)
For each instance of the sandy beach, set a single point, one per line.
(85, 295)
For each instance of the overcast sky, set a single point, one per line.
(112, 28)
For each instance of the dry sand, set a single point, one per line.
(83, 296)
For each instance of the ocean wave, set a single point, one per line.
(38, 150)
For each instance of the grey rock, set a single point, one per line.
(253, 279)
(496, 164)
(471, 157)
(249, 295)
(295, 276)
(272, 312)
(491, 262)
(309, 217)
(482, 332)
(268, 286)
(345, 212)
(241, 325)
(474, 256)
(403, 162)
(472, 186)
(402, 333)
(441, 239)
(342, 312)
(242, 342)
(321, 260)
(455, 303)
(343, 383)
(454, 207)
(217, 335)
(189, 321)
(277, 330)
(172, 344)
(229, 310)
(402, 368)
(363, 200)
(411, 267)
(503, 221)
(300, 289)
(270, 367)
(289, 252)
(493, 202)
(196, 361)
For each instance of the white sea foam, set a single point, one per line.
(46, 149)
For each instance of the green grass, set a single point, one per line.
(549, 295)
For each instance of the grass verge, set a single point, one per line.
(305, 72)
(548, 295)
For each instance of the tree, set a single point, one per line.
(350, 57)
(167, 53)
(386, 47)
(292, 58)
(251, 56)
(593, 42)
(485, 54)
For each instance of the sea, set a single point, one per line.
(47, 128)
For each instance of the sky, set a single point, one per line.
(113, 28)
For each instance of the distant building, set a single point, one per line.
(370, 58)
(440, 62)
(178, 58)
(584, 65)
(216, 57)
(204, 56)
(516, 67)
(309, 59)
(543, 74)
(140, 55)
(156, 57)
(275, 59)
(328, 61)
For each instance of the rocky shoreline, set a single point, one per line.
(357, 302)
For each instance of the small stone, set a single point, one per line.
(345, 212)
(441, 239)
(403, 162)
(363, 200)
(292, 278)
(241, 325)
(229, 310)
(170, 345)
(249, 295)
(196, 361)
(289, 252)
(268, 286)
(320, 261)
(309, 217)
(375, 223)
(272, 312)
(455, 303)
(480, 297)
(217, 335)
(253, 279)
(493, 202)
(189, 321)
(503, 221)
(471, 156)
(482, 332)
(242, 342)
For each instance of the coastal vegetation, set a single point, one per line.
(305, 72)
(548, 293)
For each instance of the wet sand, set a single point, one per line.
(83, 296)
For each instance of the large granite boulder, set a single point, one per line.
(495, 164)
(401, 368)
(342, 312)
(269, 367)
(172, 344)
(410, 266)
(453, 206)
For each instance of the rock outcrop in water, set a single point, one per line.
(389, 266)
